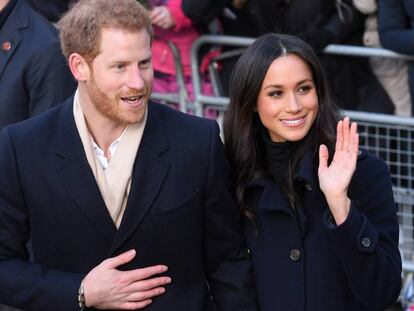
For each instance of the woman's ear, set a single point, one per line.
(79, 67)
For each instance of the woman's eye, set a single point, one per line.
(276, 93)
(304, 89)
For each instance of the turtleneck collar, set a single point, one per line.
(277, 156)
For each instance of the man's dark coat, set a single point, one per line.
(179, 213)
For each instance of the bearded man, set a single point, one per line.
(127, 203)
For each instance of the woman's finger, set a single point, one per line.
(339, 136)
(345, 145)
(323, 157)
(354, 143)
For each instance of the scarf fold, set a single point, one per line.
(114, 182)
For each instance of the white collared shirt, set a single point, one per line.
(112, 149)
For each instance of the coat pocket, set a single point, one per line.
(188, 205)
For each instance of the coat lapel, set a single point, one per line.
(10, 36)
(270, 198)
(150, 170)
(77, 175)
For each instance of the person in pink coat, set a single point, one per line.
(171, 25)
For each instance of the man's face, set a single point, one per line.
(121, 76)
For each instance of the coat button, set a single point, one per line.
(366, 242)
(294, 254)
(6, 46)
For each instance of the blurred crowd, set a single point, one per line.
(34, 75)
(376, 84)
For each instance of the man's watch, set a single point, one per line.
(81, 297)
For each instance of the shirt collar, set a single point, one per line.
(112, 149)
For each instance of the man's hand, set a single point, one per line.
(105, 287)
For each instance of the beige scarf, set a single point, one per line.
(114, 182)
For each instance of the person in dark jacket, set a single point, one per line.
(396, 30)
(51, 9)
(320, 218)
(34, 75)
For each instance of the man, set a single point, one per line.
(127, 202)
(33, 73)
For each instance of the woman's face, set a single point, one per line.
(288, 103)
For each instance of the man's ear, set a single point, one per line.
(79, 67)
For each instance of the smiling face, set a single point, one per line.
(121, 76)
(287, 103)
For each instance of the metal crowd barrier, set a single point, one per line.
(180, 96)
(389, 137)
(334, 49)
(392, 139)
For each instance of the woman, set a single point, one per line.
(320, 219)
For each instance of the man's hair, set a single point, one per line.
(80, 28)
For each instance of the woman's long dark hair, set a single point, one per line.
(242, 124)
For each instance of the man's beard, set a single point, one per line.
(110, 107)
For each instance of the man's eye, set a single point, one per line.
(145, 63)
(119, 67)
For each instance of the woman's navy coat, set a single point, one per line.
(302, 261)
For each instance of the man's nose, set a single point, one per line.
(135, 79)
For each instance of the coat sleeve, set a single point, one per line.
(48, 79)
(345, 22)
(180, 19)
(394, 26)
(340, 26)
(203, 11)
(227, 262)
(367, 242)
(24, 284)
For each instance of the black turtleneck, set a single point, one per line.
(277, 157)
(277, 161)
(4, 14)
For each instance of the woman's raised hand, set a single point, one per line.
(334, 178)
